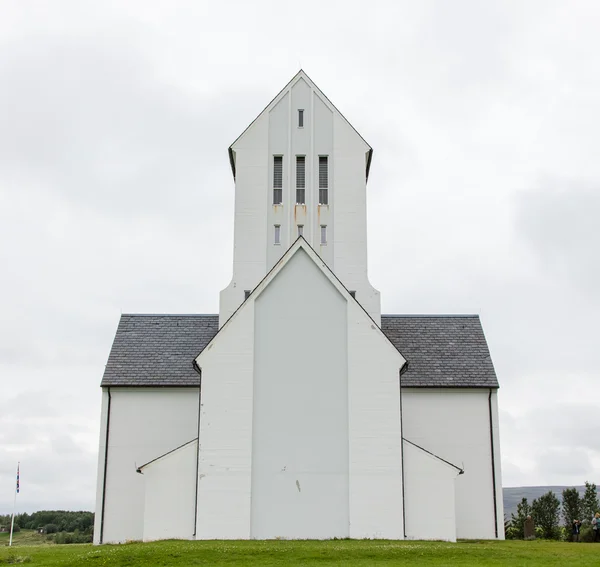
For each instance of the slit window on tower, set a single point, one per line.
(300, 229)
(300, 180)
(323, 234)
(300, 118)
(277, 238)
(323, 180)
(246, 294)
(277, 180)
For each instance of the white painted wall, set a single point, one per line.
(277, 143)
(224, 485)
(350, 216)
(144, 424)
(454, 424)
(300, 426)
(100, 473)
(430, 502)
(170, 492)
(251, 231)
(276, 132)
(344, 421)
(323, 145)
(375, 433)
(498, 465)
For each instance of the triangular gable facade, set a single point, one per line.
(300, 410)
(300, 76)
(300, 244)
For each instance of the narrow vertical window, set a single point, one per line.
(300, 118)
(277, 180)
(246, 294)
(277, 234)
(300, 229)
(323, 181)
(353, 293)
(300, 179)
(323, 234)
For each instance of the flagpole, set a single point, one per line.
(12, 521)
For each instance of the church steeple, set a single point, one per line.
(300, 169)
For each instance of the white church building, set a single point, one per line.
(299, 411)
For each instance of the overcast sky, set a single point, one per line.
(116, 195)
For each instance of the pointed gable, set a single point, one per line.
(301, 76)
(300, 393)
(301, 245)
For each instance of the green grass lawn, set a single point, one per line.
(322, 553)
(24, 537)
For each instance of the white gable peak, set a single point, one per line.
(299, 77)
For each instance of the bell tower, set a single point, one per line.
(300, 170)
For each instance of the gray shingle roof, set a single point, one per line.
(158, 350)
(442, 350)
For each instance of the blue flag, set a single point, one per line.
(18, 478)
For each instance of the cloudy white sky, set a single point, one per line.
(116, 195)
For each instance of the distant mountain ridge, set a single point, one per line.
(513, 495)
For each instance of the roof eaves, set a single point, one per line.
(431, 316)
(454, 385)
(170, 315)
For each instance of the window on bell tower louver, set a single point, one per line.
(277, 180)
(300, 180)
(323, 180)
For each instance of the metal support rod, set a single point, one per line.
(12, 520)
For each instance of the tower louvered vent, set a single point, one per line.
(323, 180)
(300, 180)
(277, 180)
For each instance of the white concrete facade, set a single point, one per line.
(300, 407)
(454, 423)
(451, 423)
(225, 463)
(375, 432)
(295, 442)
(430, 496)
(144, 424)
(170, 490)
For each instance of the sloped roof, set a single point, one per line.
(442, 351)
(157, 350)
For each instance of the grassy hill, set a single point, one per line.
(24, 537)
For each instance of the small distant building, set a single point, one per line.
(299, 411)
